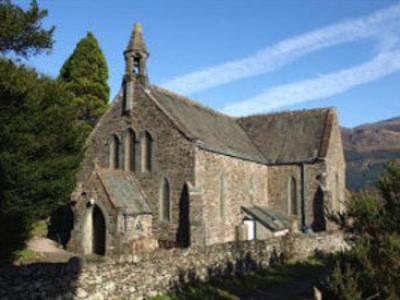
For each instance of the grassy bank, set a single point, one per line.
(292, 281)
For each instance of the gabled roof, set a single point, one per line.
(290, 137)
(272, 220)
(278, 138)
(211, 130)
(124, 191)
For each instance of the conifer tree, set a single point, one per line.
(21, 31)
(40, 150)
(40, 139)
(86, 74)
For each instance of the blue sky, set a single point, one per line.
(245, 56)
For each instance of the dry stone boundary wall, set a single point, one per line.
(147, 274)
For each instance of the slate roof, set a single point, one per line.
(270, 219)
(289, 137)
(278, 138)
(124, 191)
(210, 129)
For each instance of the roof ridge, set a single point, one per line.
(289, 112)
(192, 102)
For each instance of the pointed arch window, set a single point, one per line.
(252, 189)
(222, 204)
(130, 150)
(165, 203)
(146, 152)
(337, 200)
(293, 196)
(127, 95)
(114, 152)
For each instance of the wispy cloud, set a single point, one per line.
(382, 65)
(284, 52)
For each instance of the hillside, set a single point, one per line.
(367, 148)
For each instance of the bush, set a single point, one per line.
(371, 269)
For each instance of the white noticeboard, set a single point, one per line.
(251, 229)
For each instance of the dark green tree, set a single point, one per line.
(21, 31)
(40, 139)
(86, 74)
(371, 269)
(40, 150)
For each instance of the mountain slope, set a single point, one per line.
(367, 148)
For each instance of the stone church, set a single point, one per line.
(164, 171)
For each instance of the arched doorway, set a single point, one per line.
(319, 223)
(99, 232)
(183, 235)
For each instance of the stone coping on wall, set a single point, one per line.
(317, 241)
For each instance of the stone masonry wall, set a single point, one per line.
(244, 184)
(173, 154)
(313, 173)
(336, 168)
(137, 276)
(327, 174)
(278, 181)
(81, 241)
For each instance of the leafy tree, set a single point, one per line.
(21, 31)
(40, 150)
(371, 269)
(86, 74)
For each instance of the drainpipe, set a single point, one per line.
(303, 197)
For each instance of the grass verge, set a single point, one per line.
(287, 281)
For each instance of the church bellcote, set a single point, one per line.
(136, 54)
(135, 65)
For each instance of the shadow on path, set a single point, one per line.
(40, 280)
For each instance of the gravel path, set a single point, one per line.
(48, 250)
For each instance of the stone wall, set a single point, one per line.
(121, 231)
(336, 167)
(173, 156)
(314, 185)
(245, 183)
(137, 276)
(278, 181)
(319, 177)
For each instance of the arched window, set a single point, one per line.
(129, 147)
(165, 203)
(146, 152)
(183, 234)
(127, 96)
(293, 196)
(114, 152)
(337, 200)
(252, 189)
(222, 196)
(319, 223)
